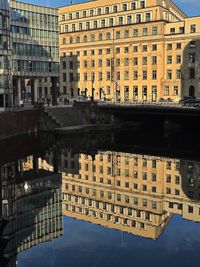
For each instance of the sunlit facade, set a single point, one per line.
(129, 50)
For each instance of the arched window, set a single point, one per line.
(191, 91)
(78, 39)
(64, 41)
(85, 38)
(71, 40)
(108, 36)
(100, 36)
(92, 37)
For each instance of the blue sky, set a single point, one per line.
(190, 7)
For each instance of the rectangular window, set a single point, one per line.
(193, 28)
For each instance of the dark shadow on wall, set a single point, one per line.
(190, 70)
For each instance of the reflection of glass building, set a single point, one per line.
(31, 209)
(34, 44)
(130, 192)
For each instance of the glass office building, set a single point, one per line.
(33, 39)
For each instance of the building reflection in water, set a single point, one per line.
(30, 208)
(133, 193)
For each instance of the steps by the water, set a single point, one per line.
(65, 116)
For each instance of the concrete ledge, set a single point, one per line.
(83, 129)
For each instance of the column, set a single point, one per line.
(19, 90)
(35, 90)
(54, 81)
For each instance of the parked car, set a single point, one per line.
(186, 99)
(190, 101)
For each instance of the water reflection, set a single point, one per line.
(134, 193)
(30, 208)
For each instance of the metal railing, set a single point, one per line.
(150, 103)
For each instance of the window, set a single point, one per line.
(191, 73)
(117, 50)
(192, 44)
(103, 23)
(169, 74)
(126, 33)
(129, 19)
(153, 189)
(169, 59)
(154, 74)
(92, 37)
(91, 12)
(121, 19)
(178, 59)
(115, 9)
(172, 30)
(144, 75)
(85, 39)
(148, 17)
(100, 62)
(154, 60)
(107, 10)
(99, 11)
(193, 28)
(87, 25)
(95, 24)
(153, 177)
(135, 61)
(126, 62)
(111, 22)
(135, 32)
(126, 49)
(178, 74)
(190, 209)
(100, 37)
(154, 30)
(135, 48)
(169, 46)
(133, 6)
(144, 60)
(126, 75)
(100, 51)
(108, 76)
(135, 75)
(145, 31)
(117, 34)
(176, 90)
(192, 57)
(138, 18)
(181, 29)
(168, 178)
(166, 90)
(108, 36)
(84, 14)
(144, 48)
(178, 46)
(142, 4)
(154, 47)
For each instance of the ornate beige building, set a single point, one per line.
(129, 50)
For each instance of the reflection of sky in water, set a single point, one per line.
(88, 245)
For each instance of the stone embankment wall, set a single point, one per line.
(19, 122)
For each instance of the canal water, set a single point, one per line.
(121, 198)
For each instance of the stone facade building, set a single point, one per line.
(129, 50)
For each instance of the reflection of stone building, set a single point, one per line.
(31, 209)
(132, 50)
(134, 193)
